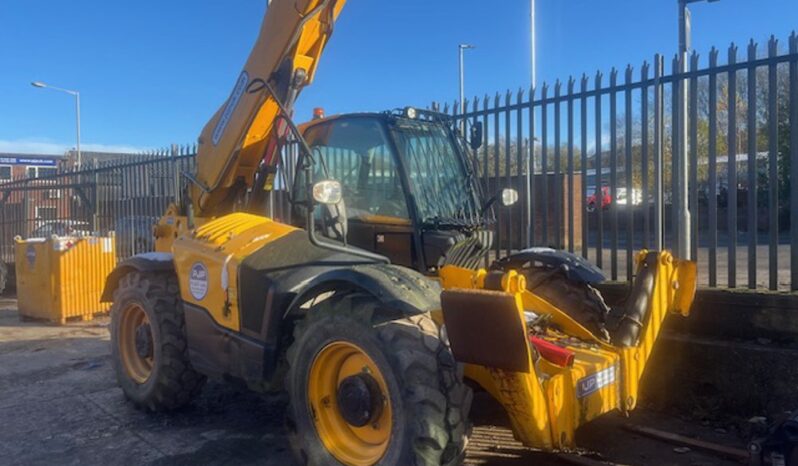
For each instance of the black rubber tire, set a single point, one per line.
(431, 402)
(173, 382)
(577, 299)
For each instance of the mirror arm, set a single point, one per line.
(488, 204)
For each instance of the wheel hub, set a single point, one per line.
(350, 404)
(359, 399)
(144, 341)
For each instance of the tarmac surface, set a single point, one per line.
(59, 404)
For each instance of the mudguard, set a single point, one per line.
(274, 281)
(576, 267)
(144, 262)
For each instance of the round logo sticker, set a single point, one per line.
(30, 254)
(198, 281)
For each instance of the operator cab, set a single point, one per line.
(410, 189)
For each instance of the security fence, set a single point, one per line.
(126, 195)
(593, 160)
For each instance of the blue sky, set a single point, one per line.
(152, 72)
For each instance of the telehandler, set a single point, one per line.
(372, 354)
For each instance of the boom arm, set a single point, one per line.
(243, 132)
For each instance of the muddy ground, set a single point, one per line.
(59, 404)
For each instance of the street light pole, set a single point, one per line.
(461, 48)
(531, 151)
(681, 196)
(532, 34)
(76, 94)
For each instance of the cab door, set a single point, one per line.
(355, 152)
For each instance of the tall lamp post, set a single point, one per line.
(532, 39)
(461, 49)
(683, 166)
(76, 94)
(531, 152)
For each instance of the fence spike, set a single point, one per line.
(507, 96)
(694, 60)
(520, 95)
(446, 107)
(713, 57)
(475, 106)
(773, 46)
(557, 87)
(613, 76)
(732, 53)
(485, 102)
(752, 49)
(544, 90)
(793, 42)
(629, 71)
(752, 46)
(496, 100)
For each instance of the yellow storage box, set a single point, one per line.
(60, 278)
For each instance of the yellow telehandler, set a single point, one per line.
(372, 354)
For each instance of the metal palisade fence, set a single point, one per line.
(593, 160)
(125, 195)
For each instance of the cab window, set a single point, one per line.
(355, 153)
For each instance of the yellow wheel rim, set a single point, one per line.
(138, 362)
(348, 443)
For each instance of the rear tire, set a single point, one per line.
(148, 343)
(427, 399)
(579, 300)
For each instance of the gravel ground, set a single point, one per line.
(60, 405)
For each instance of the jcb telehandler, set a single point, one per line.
(370, 353)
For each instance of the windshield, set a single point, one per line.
(438, 178)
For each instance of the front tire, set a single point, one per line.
(148, 343)
(369, 389)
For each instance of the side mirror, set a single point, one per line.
(509, 196)
(475, 136)
(327, 192)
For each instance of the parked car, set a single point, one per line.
(134, 234)
(592, 201)
(621, 197)
(49, 228)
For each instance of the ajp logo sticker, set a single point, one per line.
(595, 382)
(198, 281)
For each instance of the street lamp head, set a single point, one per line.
(467, 46)
(38, 84)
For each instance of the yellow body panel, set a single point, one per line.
(169, 227)
(61, 278)
(207, 261)
(548, 404)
